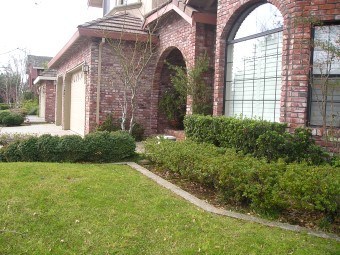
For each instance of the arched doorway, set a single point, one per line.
(171, 104)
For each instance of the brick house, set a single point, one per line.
(45, 86)
(35, 65)
(259, 50)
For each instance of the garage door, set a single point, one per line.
(77, 116)
(42, 101)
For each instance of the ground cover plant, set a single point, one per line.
(51, 208)
(101, 146)
(274, 189)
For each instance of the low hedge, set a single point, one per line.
(243, 179)
(4, 106)
(260, 138)
(9, 118)
(94, 147)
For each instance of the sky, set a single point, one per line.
(40, 27)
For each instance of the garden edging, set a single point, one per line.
(212, 209)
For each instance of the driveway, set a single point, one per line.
(36, 126)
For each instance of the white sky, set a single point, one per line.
(41, 27)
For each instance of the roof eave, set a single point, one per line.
(44, 78)
(73, 39)
(97, 33)
(95, 3)
(126, 36)
(191, 16)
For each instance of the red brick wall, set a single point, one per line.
(296, 53)
(192, 41)
(111, 95)
(50, 101)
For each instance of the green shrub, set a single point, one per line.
(229, 132)
(22, 150)
(72, 148)
(243, 179)
(138, 132)
(104, 146)
(109, 124)
(22, 111)
(12, 119)
(198, 162)
(4, 114)
(309, 188)
(11, 152)
(95, 147)
(48, 148)
(4, 106)
(28, 150)
(30, 106)
(257, 137)
(295, 147)
(6, 139)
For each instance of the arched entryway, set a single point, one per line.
(170, 108)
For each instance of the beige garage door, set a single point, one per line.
(42, 102)
(77, 116)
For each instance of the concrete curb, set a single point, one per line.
(212, 209)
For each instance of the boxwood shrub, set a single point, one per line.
(95, 147)
(243, 179)
(103, 146)
(8, 118)
(72, 148)
(260, 138)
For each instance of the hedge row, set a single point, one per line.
(243, 179)
(257, 137)
(94, 147)
(8, 118)
(4, 106)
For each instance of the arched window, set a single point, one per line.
(253, 68)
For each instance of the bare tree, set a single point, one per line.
(324, 83)
(13, 78)
(133, 56)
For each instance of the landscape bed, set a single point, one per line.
(51, 208)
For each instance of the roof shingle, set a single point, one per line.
(123, 22)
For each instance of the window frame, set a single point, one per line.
(230, 40)
(310, 100)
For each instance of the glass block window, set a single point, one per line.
(325, 80)
(253, 69)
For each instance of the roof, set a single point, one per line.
(116, 23)
(37, 61)
(95, 3)
(203, 5)
(47, 75)
(121, 26)
(186, 11)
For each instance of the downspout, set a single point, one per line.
(99, 78)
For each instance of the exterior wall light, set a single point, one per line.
(86, 68)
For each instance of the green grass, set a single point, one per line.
(111, 209)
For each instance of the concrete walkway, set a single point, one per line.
(36, 126)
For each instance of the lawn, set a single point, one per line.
(112, 209)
